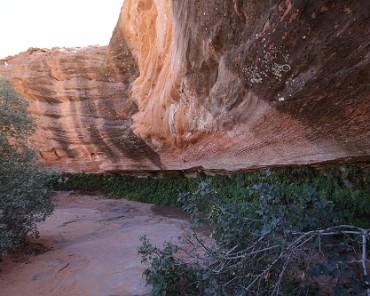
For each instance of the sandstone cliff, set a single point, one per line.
(213, 84)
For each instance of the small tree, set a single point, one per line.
(281, 239)
(24, 184)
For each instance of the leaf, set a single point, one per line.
(331, 266)
(315, 270)
(340, 292)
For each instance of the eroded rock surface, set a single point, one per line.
(214, 84)
(94, 249)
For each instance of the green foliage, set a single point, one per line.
(347, 186)
(24, 184)
(168, 275)
(275, 228)
(160, 191)
(15, 121)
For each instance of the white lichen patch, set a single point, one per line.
(253, 74)
(199, 119)
(274, 63)
(173, 109)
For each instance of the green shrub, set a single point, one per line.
(275, 241)
(347, 186)
(168, 275)
(24, 184)
(160, 191)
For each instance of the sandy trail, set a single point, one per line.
(94, 249)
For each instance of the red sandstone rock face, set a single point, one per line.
(216, 84)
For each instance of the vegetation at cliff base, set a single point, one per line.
(277, 231)
(279, 239)
(24, 183)
(346, 185)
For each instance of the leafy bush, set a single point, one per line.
(347, 186)
(24, 184)
(168, 276)
(277, 240)
(160, 191)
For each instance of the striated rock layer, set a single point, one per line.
(214, 84)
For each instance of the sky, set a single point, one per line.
(55, 23)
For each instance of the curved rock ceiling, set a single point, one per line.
(218, 85)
